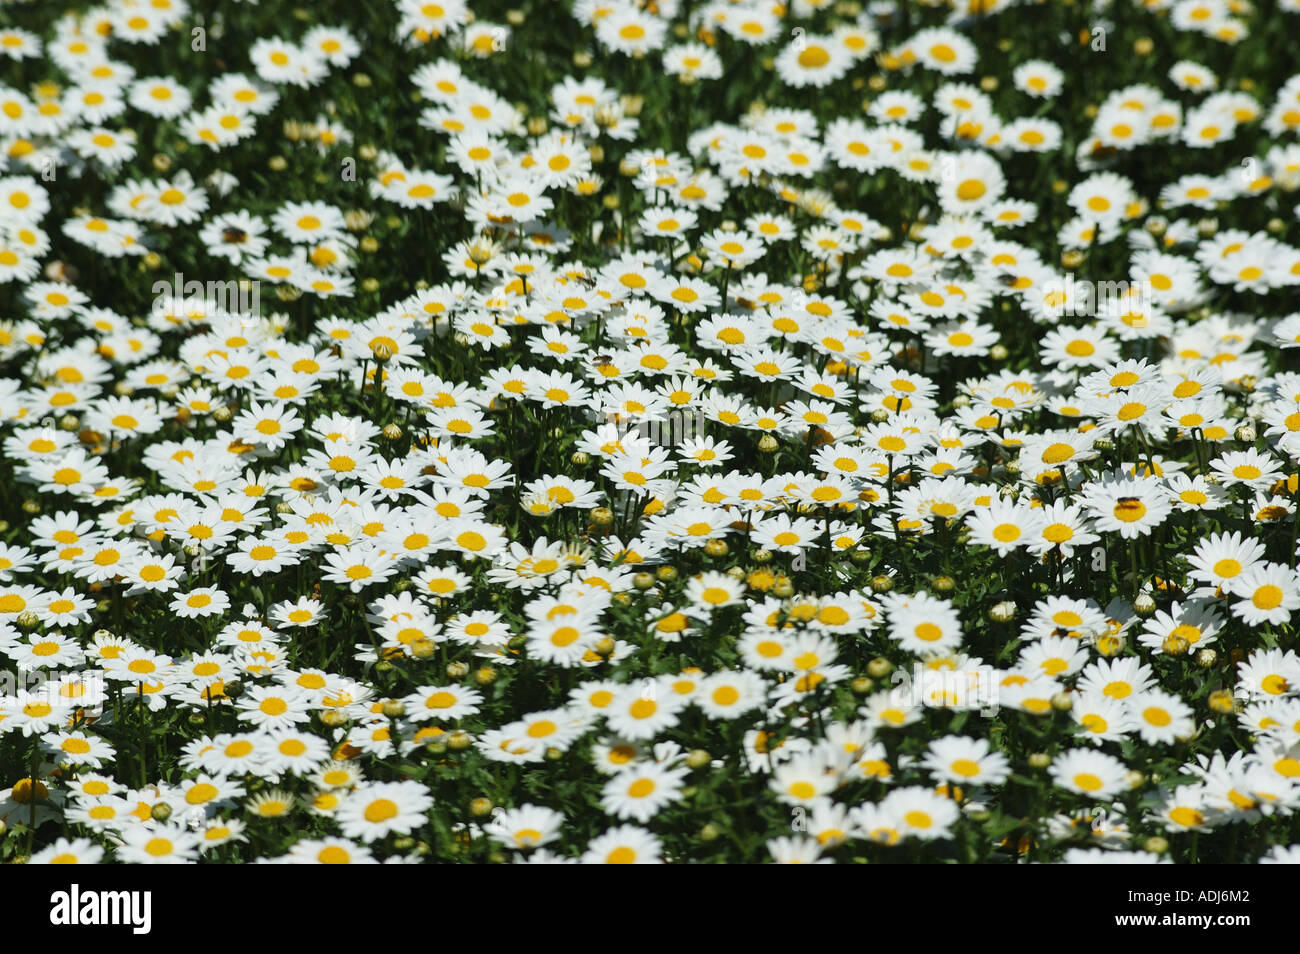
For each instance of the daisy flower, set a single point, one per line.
(624, 845)
(1266, 593)
(812, 60)
(329, 851)
(303, 612)
(525, 828)
(1004, 526)
(641, 791)
(966, 761)
(1133, 507)
(1161, 717)
(642, 711)
(376, 809)
(157, 844)
(1093, 775)
(79, 851)
(920, 813)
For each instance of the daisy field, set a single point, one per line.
(639, 431)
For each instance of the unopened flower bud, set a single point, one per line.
(1003, 612)
(457, 670)
(1110, 644)
(1221, 701)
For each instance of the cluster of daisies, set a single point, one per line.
(809, 432)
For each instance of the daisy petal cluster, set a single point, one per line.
(624, 432)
